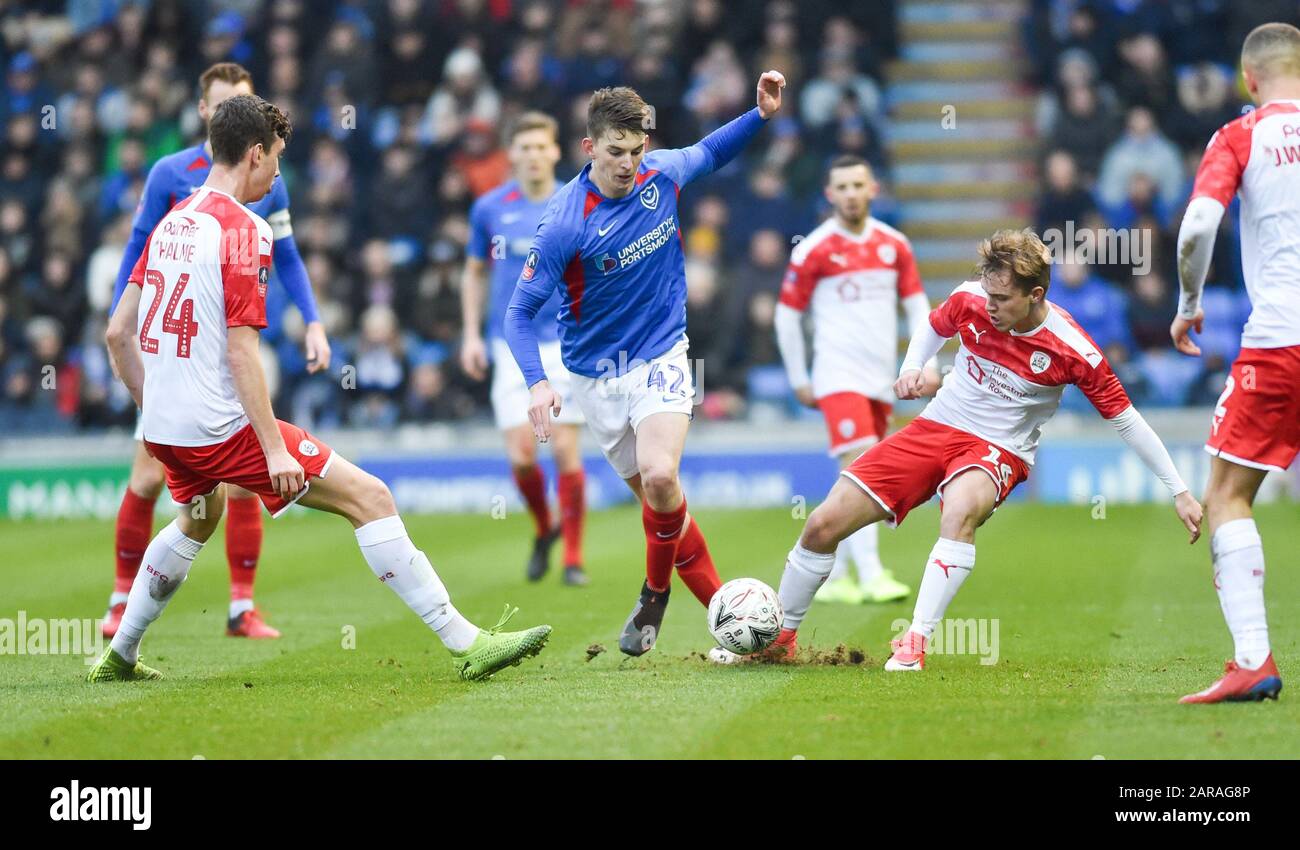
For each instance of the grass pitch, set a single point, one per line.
(1101, 625)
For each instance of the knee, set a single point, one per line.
(376, 499)
(522, 451)
(821, 533)
(959, 522)
(659, 481)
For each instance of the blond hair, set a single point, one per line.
(1019, 252)
(1272, 50)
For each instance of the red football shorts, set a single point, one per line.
(854, 421)
(913, 464)
(197, 470)
(1256, 422)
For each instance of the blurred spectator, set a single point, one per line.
(1063, 199)
(463, 94)
(1143, 149)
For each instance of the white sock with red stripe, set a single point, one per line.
(863, 546)
(163, 568)
(805, 571)
(1238, 554)
(951, 561)
(397, 563)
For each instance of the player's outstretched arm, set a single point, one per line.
(287, 475)
(123, 347)
(715, 150)
(1195, 248)
(1144, 442)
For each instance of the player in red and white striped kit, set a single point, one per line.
(976, 440)
(1256, 423)
(189, 357)
(852, 273)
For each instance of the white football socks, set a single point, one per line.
(163, 569)
(951, 561)
(863, 547)
(395, 560)
(1238, 555)
(804, 572)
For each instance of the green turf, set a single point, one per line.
(1102, 625)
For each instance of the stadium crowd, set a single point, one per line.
(398, 107)
(1129, 95)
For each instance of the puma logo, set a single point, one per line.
(975, 333)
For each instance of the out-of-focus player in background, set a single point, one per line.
(1256, 423)
(502, 224)
(611, 241)
(975, 441)
(189, 356)
(853, 271)
(171, 179)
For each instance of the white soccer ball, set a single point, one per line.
(745, 616)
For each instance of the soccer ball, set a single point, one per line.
(745, 616)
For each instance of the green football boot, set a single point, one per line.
(112, 667)
(494, 649)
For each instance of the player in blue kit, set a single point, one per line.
(502, 224)
(174, 178)
(610, 241)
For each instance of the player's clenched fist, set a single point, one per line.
(769, 92)
(287, 476)
(910, 384)
(543, 404)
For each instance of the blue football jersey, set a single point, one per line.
(502, 223)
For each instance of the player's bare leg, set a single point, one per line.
(968, 500)
(167, 563)
(572, 488)
(1238, 558)
(521, 451)
(133, 529)
(243, 549)
(874, 583)
(368, 504)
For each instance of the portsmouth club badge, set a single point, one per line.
(530, 265)
(650, 196)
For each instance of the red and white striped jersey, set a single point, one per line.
(1005, 386)
(854, 283)
(203, 270)
(1258, 155)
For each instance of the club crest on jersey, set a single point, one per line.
(308, 449)
(530, 265)
(650, 196)
(887, 254)
(1039, 363)
(606, 263)
(262, 274)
